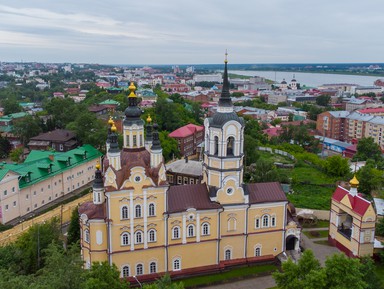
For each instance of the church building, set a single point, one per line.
(144, 226)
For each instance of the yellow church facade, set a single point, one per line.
(146, 227)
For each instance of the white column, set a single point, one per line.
(198, 227)
(184, 229)
(131, 213)
(145, 219)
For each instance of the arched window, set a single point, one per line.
(265, 221)
(151, 210)
(191, 230)
(228, 254)
(205, 229)
(138, 211)
(125, 239)
(176, 232)
(152, 235)
(273, 221)
(232, 224)
(176, 264)
(125, 271)
(216, 145)
(258, 252)
(139, 269)
(230, 146)
(86, 235)
(139, 237)
(152, 267)
(124, 212)
(257, 223)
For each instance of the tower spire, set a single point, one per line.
(225, 97)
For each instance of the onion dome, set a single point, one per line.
(155, 136)
(284, 82)
(354, 182)
(132, 111)
(148, 128)
(98, 181)
(113, 128)
(110, 121)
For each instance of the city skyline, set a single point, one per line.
(170, 32)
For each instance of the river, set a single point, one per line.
(311, 79)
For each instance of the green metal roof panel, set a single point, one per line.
(110, 101)
(38, 162)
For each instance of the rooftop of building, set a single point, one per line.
(186, 130)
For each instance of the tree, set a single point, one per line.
(323, 100)
(164, 282)
(26, 128)
(339, 272)
(336, 166)
(5, 147)
(367, 149)
(74, 228)
(344, 272)
(250, 151)
(368, 269)
(380, 227)
(262, 171)
(370, 178)
(16, 153)
(169, 146)
(10, 106)
(104, 276)
(306, 273)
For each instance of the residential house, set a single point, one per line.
(188, 138)
(61, 140)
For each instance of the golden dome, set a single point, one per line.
(354, 182)
(132, 88)
(149, 119)
(113, 128)
(97, 166)
(110, 121)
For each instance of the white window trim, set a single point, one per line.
(142, 236)
(122, 238)
(179, 264)
(208, 229)
(149, 234)
(150, 263)
(121, 212)
(122, 271)
(142, 266)
(173, 233)
(154, 210)
(194, 231)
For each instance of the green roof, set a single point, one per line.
(26, 104)
(110, 101)
(41, 165)
(15, 115)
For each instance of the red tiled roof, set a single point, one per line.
(372, 110)
(273, 131)
(265, 192)
(359, 204)
(92, 211)
(186, 130)
(182, 198)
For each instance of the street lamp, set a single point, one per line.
(141, 286)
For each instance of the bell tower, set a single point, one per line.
(224, 150)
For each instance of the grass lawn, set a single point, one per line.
(275, 157)
(319, 224)
(311, 197)
(316, 234)
(231, 275)
(323, 242)
(380, 273)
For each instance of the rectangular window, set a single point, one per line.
(191, 181)
(185, 181)
(61, 147)
(179, 180)
(5, 193)
(127, 140)
(6, 207)
(13, 189)
(134, 141)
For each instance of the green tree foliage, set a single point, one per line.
(64, 110)
(89, 129)
(237, 94)
(368, 269)
(323, 100)
(164, 282)
(10, 106)
(368, 149)
(74, 228)
(104, 276)
(250, 151)
(26, 128)
(339, 272)
(16, 153)
(380, 227)
(5, 147)
(336, 166)
(370, 178)
(262, 171)
(169, 146)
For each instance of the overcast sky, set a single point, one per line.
(192, 32)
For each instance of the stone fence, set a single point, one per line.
(320, 214)
(63, 213)
(276, 151)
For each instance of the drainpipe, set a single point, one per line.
(108, 234)
(219, 236)
(246, 232)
